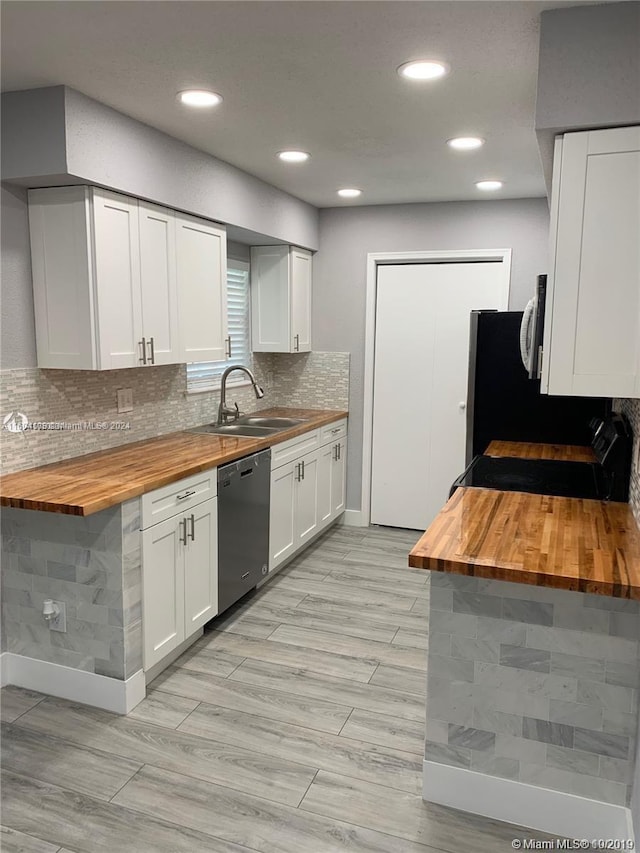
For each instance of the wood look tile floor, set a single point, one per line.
(294, 725)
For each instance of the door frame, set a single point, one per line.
(374, 260)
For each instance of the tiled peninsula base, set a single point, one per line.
(532, 705)
(93, 564)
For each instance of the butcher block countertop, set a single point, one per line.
(532, 450)
(566, 543)
(86, 484)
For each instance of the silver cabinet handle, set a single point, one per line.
(192, 519)
(183, 531)
(334, 431)
(143, 344)
(339, 451)
(186, 495)
(296, 346)
(227, 341)
(335, 452)
(302, 463)
(152, 351)
(298, 474)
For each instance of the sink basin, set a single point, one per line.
(278, 423)
(246, 430)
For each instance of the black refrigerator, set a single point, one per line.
(504, 404)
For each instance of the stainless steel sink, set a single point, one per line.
(246, 430)
(278, 423)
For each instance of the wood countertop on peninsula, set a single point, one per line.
(566, 543)
(83, 485)
(533, 450)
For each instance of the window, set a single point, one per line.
(205, 375)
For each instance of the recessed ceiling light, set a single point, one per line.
(489, 186)
(465, 143)
(423, 70)
(199, 98)
(293, 156)
(349, 192)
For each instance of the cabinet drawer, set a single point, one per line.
(294, 448)
(167, 501)
(333, 432)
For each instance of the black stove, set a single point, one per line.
(605, 479)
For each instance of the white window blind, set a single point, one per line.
(205, 375)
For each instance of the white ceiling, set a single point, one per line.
(311, 74)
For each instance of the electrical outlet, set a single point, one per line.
(125, 400)
(60, 621)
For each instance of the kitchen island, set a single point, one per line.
(534, 664)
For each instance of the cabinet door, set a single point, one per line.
(326, 456)
(282, 537)
(270, 299)
(338, 478)
(592, 339)
(158, 284)
(162, 590)
(201, 260)
(306, 505)
(201, 566)
(300, 266)
(117, 280)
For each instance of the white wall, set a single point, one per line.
(348, 234)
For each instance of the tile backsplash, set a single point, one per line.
(631, 408)
(160, 400)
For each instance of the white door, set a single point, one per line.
(420, 383)
(201, 566)
(300, 300)
(158, 284)
(201, 257)
(282, 539)
(117, 259)
(162, 589)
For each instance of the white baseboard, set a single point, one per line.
(4, 669)
(354, 518)
(526, 805)
(111, 694)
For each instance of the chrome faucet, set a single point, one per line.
(225, 414)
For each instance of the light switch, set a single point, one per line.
(125, 400)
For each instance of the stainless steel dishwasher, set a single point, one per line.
(243, 526)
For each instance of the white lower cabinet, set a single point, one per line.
(307, 494)
(179, 578)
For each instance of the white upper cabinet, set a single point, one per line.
(122, 283)
(592, 314)
(280, 299)
(201, 249)
(158, 284)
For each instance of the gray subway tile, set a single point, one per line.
(574, 760)
(578, 618)
(619, 722)
(606, 602)
(469, 649)
(608, 696)
(471, 738)
(494, 765)
(616, 769)
(439, 643)
(525, 681)
(575, 714)
(489, 719)
(502, 631)
(522, 749)
(582, 643)
(477, 604)
(442, 753)
(450, 668)
(533, 612)
(623, 674)
(453, 623)
(441, 599)
(437, 730)
(577, 666)
(62, 571)
(625, 625)
(521, 657)
(546, 732)
(602, 743)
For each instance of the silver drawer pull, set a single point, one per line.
(152, 351)
(186, 495)
(143, 344)
(245, 575)
(192, 519)
(334, 431)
